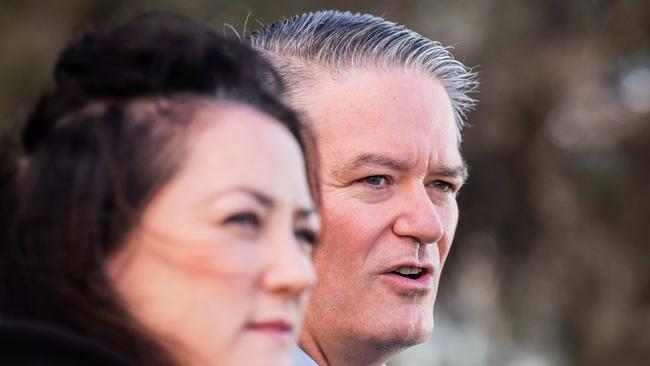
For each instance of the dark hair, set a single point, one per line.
(97, 148)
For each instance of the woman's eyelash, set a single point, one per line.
(307, 235)
(244, 219)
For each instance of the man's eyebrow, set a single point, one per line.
(460, 171)
(377, 160)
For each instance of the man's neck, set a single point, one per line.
(341, 352)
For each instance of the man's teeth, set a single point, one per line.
(407, 270)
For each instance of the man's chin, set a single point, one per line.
(402, 334)
(415, 335)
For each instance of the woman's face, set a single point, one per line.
(218, 268)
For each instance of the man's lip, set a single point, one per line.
(423, 283)
(427, 267)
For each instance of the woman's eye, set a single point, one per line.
(307, 236)
(376, 181)
(245, 219)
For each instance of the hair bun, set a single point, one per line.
(156, 54)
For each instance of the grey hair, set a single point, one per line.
(338, 41)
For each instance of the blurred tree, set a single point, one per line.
(551, 265)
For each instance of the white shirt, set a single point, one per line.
(301, 358)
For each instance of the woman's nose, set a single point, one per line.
(290, 269)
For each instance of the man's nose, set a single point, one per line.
(418, 217)
(290, 270)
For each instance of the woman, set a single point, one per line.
(162, 214)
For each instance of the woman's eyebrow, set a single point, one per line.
(260, 197)
(303, 213)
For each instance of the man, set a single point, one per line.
(386, 106)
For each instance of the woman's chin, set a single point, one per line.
(264, 356)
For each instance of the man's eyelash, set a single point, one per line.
(444, 185)
(367, 181)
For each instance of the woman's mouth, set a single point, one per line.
(279, 330)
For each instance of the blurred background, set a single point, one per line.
(551, 262)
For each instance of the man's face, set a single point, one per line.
(390, 168)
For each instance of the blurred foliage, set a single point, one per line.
(551, 262)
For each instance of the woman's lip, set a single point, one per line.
(280, 332)
(272, 326)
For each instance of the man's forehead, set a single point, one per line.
(361, 141)
(399, 114)
(358, 97)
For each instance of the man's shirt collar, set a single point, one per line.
(301, 358)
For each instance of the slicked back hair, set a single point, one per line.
(337, 41)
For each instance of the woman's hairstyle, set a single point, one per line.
(95, 151)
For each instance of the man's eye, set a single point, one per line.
(443, 186)
(245, 219)
(377, 181)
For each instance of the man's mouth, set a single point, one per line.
(411, 277)
(411, 272)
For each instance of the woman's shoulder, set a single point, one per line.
(27, 343)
